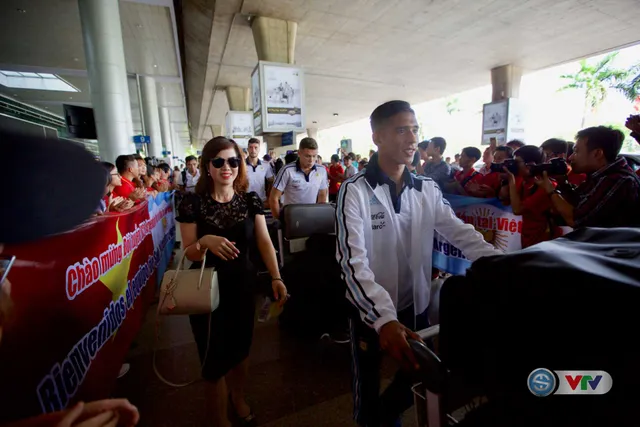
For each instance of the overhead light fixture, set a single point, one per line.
(21, 11)
(15, 94)
(71, 97)
(139, 25)
(335, 114)
(155, 65)
(75, 59)
(315, 123)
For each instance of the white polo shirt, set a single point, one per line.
(190, 185)
(257, 176)
(298, 187)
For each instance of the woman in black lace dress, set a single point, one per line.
(224, 221)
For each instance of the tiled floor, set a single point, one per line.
(292, 383)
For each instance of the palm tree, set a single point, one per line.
(631, 88)
(595, 79)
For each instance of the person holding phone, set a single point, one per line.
(225, 221)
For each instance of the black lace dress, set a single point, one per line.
(232, 323)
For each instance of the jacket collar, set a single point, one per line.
(620, 163)
(299, 169)
(375, 176)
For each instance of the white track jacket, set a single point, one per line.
(368, 239)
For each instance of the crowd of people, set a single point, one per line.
(388, 207)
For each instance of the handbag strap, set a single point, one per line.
(159, 325)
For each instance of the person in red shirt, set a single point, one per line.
(466, 178)
(336, 172)
(128, 169)
(555, 148)
(492, 182)
(529, 200)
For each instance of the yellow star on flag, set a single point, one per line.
(116, 279)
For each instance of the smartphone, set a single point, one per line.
(6, 261)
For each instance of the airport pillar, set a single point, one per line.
(275, 39)
(216, 130)
(505, 82)
(109, 91)
(150, 115)
(238, 98)
(165, 129)
(312, 133)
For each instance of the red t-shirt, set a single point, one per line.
(536, 207)
(334, 185)
(466, 178)
(575, 178)
(125, 189)
(493, 180)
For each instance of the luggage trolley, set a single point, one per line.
(437, 393)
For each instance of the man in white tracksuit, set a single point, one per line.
(385, 219)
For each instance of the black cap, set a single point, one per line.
(51, 186)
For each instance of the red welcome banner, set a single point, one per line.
(79, 300)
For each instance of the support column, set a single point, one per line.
(275, 39)
(505, 82)
(150, 114)
(104, 52)
(274, 141)
(312, 133)
(239, 98)
(165, 128)
(216, 130)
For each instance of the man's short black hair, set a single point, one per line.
(335, 158)
(423, 144)
(352, 156)
(515, 143)
(570, 145)
(124, 162)
(137, 156)
(165, 167)
(439, 142)
(389, 109)
(290, 158)
(530, 154)
(507, 150)
(189, 158)
(556, 146)
(253, 141)
(472, 152)
(605, 138)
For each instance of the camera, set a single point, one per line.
(554, 167)
(510, 164)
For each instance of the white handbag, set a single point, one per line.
(187, 292)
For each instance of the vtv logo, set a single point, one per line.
(543, 382)
(583, 382)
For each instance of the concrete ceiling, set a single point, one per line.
(47, 37)
(359, 53)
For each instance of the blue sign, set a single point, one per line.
(142, 139)
(166, 153)
(287, 138)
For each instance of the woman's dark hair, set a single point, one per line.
(530, 154)
(150, 170)
(109, 167)
(209, 152)
(165, 167)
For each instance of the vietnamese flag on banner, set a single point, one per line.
(79, 300)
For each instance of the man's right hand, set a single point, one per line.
(138, 193)
(393, 340)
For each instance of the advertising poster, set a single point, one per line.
(283, 97)
(239, 127)
(79, 300)
(257, 102)
(494, 123)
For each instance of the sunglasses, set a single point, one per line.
(219, 162)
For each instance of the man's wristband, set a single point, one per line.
(555, 191)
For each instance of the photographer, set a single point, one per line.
(528, 199)
(610, 195)
(555, 148)
(492, 182)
